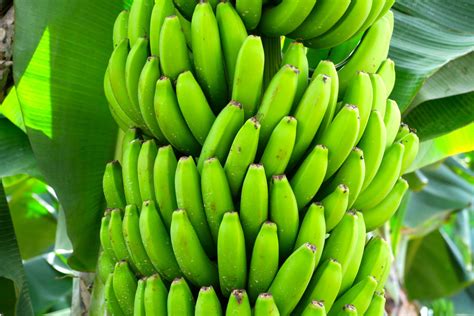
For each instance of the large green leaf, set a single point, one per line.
(61, 51)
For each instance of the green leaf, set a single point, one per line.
(11, 109)
(15, 298)
(61, 52)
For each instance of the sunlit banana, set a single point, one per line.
(104, 236)
(293, 277)
(385, 274)
(139, 20)
(191, 257)
(265, 306)
(377, 305)
(185, 27)
(157, 243)
(335, 205)
(130, 172)
(379, 94)
(248, 78)
(387, 72)
(310, 113)
(295, 55)
(376, 216)
(139, 301)
(387, 6)
(208, 303)
(253, 203)
(170, 119)
(392, 120)
(375, 259)
(313, 229)
(412, 144)
(384, 180)
(222, 133)
(189, 198)
(284, 213)
(376, 12)
(359, 296)
(120, 30)
(250, 11)
(111, 302)
(155, 296)
(113, 185)
(347, 310)
(315, 308)
(105, 266)
(403, 131)
(124, 286)
(238, 304)
(309, 176)
(264, 260)
(161, 10)
(180, 299)
(208, 57)
(146, 161)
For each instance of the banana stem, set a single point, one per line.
(272, 48)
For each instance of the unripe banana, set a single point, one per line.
(173, 49)
(186, 28)
(157, 243)
(216, 194)
(170, 119)
(242, 153)
(377, 305)
(347, 310)
(375, 259)
(155, 296)
(113, 185)
(133, 67)
(164, 172)
(146, 161)
(376, 12)
(104, 236)
(379, 214)
(232, 34)
(277, 101)
(403, 131)
(309, 113)
(372, 144)
(250, 11)
(207, 53)
(309, 176)
(265, 306)
(186, 7)
(359, 296)
(105, 266)
(248, 77)
(131, 134)
(253, 203)
(387, 72)
(111, 302)
(161, 10)
(139, 301)
(295, 55)
(189, 198)
(180, 299)
(315, 308)
(130, 172)
(346, 123)
(379, 94)
(120, 30)
(392, 121)
(284, 213)
(191, 257)
(285, 17)
(116, 236)
(412, 144)
(313, 230)
(208, 303)
(384, 180)
(222, 133)
(280, 145)
(264, 260)
(124, 286)
(194, 107)
(139, 20)
(239, 304)
(335, 205)
(293, 277)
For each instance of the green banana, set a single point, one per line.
(377, 305)
(250, 11)
(285, 17)
(284, 213)
(345, 123)
(185, 27)
(208, 58)
(370, 53)
(131, 134)
(324, 285)
(310, 175)
(180, 299)
(242, 153)
(354, 17)
(248, 77)
(131, 181)
(309, 114)
(133, 67)
(412, 144)
(173, 49)
(104, 236)
(387, 71)
(372, 144)
(342, 52)
(232, 34)
(222, 133)
(139, 301)
(385, 274)
(191, 257)
(189, 198)
(146, 161)
(264, 260)
(384, 180)
(293, 277)
(161, 10)
(377, 215)
(313, 229)
(239, 304)
(335, 205)
(124, 286)
(120, 30)
(186, 7)
(277, 152)
(105, 266)
(231, 254)
(325, 15)
(111, 301)
(315, 308)
(403, 131)
(277, 101)
(374, 260)
(379, 94)
(155, 296)
(208, 303)
(376, 12)
(194, 106)
(113, 185)
(295, 55)
(265, 306)
(347, 310)
(117, 240)
(253, 203)
(139, 20)
(170, 119)
(164, 172)
(157, 243)
(392, 120)
(359, 296)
